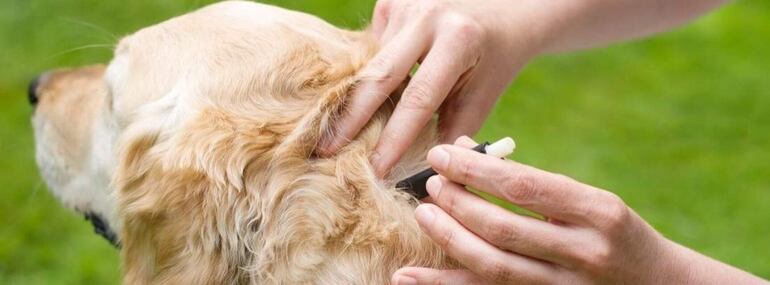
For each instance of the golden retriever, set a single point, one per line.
(195, 145)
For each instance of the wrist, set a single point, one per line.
(690, 267)
(547, 21)
(566, 25)
(519, 27)
(674, 264)
(541, 26)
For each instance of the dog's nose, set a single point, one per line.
(32, 91)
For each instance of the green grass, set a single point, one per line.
(677, 125)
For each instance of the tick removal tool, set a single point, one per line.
(415, 185)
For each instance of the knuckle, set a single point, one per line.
(571, 248)
(429, 9)
(521, 188)
(564, 247)
(380, 72)
(417, 96)
(465, 168)
(466, 38)
(499, 232)
(382, 8)
(466, 30)
(450, 202)
(497, 271)
(615, 213)
(446, 239)
(596, 258)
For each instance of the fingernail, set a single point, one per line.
(405, 280)
(438, 158)
(424, 215)
(434, 186)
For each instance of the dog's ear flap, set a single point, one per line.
(318, 121)
(341, 76)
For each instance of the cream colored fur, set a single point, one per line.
(197, 144)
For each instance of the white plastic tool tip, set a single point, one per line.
(501, 148)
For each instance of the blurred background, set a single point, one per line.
(678, 125)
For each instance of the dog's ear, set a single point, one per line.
(194, 180)
(331, 86)
(187, 185)
(191, 180)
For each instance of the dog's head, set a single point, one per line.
(196, 145)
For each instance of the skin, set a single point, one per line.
(589, 236)
(468, 53)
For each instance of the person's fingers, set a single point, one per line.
(380, 17)
(463, 141)
(430, 276)
(540, 191)
(504, 229)
(398, 19)
(466, 142)
(479, 256)
(437, 75)
(378, 79)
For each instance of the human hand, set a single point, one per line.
(589, 236)
(468, 53)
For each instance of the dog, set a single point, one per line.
(194, 151)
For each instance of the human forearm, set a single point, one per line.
(577, 24)
(691, 267)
